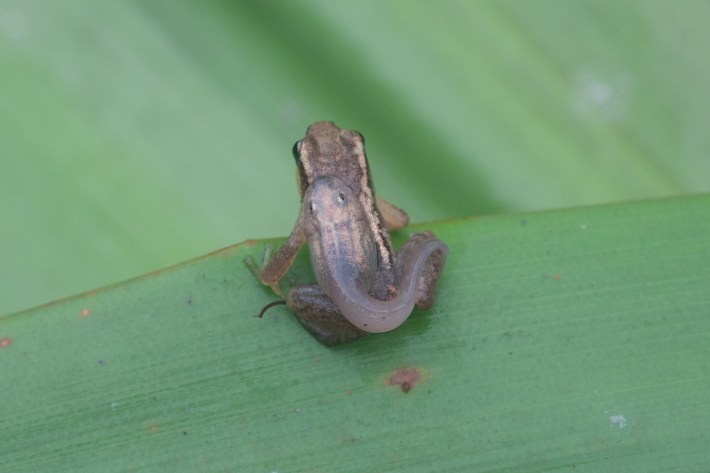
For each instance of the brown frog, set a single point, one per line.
(363, 286)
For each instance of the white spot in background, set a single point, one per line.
(606, 97)
(114, 405)
(618, 421)
(583, 226)
(13, 24)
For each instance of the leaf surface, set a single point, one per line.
(561, 340)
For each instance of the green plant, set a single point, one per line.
(561, 340)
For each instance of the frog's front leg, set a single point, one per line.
(394, 217)
(320, 316)
(274, 266)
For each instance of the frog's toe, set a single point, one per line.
(268, 253)
(257, 268)
(251, 264)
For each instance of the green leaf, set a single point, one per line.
(140, 133)
(561, 340)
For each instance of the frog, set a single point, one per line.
(363, 285)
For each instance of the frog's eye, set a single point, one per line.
(341, 197)
(296, 150)
(312, 207)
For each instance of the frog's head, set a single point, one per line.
(327, 150)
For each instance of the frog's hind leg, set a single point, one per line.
(320, 316)
(429, 276)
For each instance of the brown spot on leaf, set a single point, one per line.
(405, 378)
(85, 313)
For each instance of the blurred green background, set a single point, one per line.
(137, 134)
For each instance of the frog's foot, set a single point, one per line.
(265, 259)
(257, 269)
(320, 316)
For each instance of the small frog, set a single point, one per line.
(363, 286)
